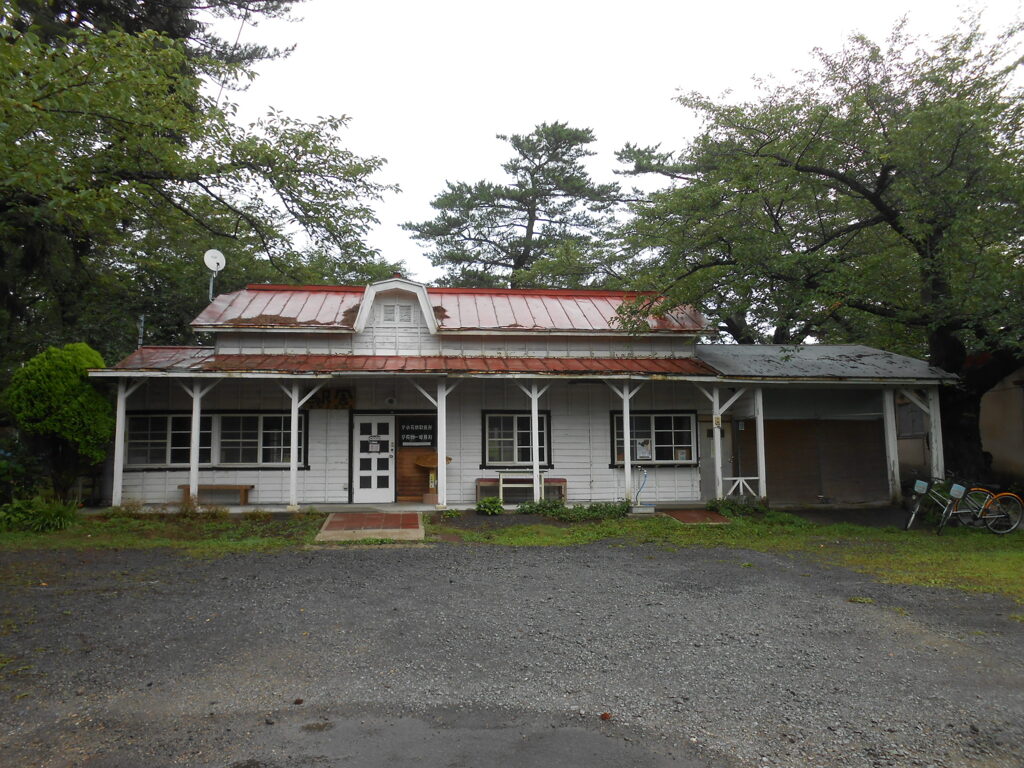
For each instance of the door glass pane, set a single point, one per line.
(383, 481)
(364, 428)
(383, 464)
(366, 482)
(365, 465)
(383, 428)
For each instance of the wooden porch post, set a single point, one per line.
(293, 393)
(627, 438)
(935, 434)
(441, 403)
(716, 423)
(123, 391)
(762, 472)
(534, 392)
(442, 444)
(196, 392)
(892, 459)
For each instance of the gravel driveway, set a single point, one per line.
(456, 655)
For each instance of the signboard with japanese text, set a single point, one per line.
(417, 430)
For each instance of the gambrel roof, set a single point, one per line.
(316, 308)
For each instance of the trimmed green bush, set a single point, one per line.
(37, 515)
(546, 507)
(599, 510)
(490, 505)
(61, 416)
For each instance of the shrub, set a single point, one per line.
(37, 515)
(736, 508)
(62, 417)
(546, 507)
(490, 505)
(599, 510)
(257, 515)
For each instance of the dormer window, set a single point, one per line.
(396, 314)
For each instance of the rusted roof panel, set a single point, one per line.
(814, 361)
(457, 309)
(204, 360)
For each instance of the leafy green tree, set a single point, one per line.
(529, 229)
(115, 158)
(54, 19)
(878, 200)
(63, 418)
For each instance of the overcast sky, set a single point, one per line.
(427, 85)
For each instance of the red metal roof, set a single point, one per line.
(203, 359)
(455, 309)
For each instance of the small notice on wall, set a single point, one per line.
(417, 430)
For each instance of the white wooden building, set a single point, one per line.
(347, 395)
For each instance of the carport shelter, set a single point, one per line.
(349, 395)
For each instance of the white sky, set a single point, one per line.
(427, 85)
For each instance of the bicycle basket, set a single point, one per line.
(920, 487)
(957, 491)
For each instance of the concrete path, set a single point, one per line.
(356, 526)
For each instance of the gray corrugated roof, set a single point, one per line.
(814, 361)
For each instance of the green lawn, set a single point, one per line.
(961, 558)
(198, 534)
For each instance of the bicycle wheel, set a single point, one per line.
(1003, 513)
(912, 513)
(968, 509)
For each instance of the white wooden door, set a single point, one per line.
(373, 459)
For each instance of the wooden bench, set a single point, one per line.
(243, 491)
(554, 488)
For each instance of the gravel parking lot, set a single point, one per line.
(456, 655)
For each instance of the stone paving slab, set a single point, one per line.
(355, 526)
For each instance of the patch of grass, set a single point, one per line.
(863, 600)
(201, 535)
(961, 558)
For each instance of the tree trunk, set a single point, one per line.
(961, 412)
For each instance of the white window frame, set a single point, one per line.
(168, 441)
(637, 432)
(397, 313)
(214, 442)
(518, 447)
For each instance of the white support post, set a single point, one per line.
(935, 434)
(627, 445)
(441, 403)
(193, 445)
(442, 444)
(627, 438)
(196, 392)
(534, 393)
(293, 392)
(892, 457)
(762, 472)
(123, 391)
(716, 423)
(293, 451)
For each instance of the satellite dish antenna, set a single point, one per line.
(215, 262)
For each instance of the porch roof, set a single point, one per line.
(830, 362)
(193, 360)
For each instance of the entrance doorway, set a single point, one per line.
(373, 459)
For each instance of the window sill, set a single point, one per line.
(656, 464)
(212, 467)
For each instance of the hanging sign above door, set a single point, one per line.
(417, 430)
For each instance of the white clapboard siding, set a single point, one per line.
(326, 480)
